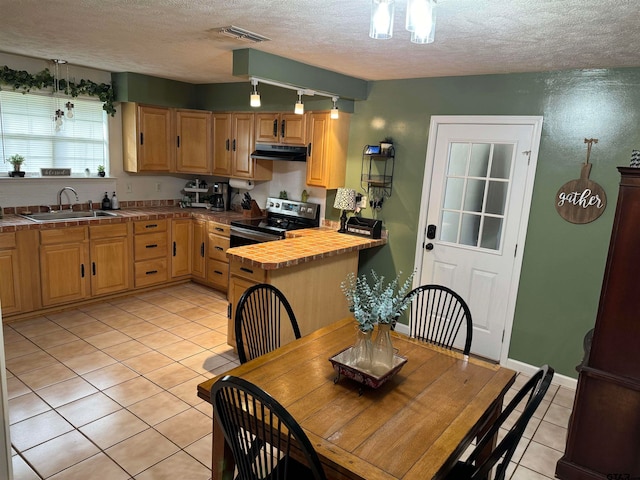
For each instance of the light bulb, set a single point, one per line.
(334, 110)
(299, 107)
(255, 100)
(381, 26)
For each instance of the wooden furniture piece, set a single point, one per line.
(327, 149)
(263, 318)
(282, 128)
(151, 252)
(415, 426)
(436, 314)
(255, 452)
(472, 469)
(604, 432)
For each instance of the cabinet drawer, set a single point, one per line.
(153, 245)
(107, 231)
(218, 247)
(219, 229)
(8, 240)
(63, 235)
(218, 274)
(151, 272)
(150, 226)
(254, 274)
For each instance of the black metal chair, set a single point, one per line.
(436, 314)
(263, 436)
(536, 388)
(259, 321)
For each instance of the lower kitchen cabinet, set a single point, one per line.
(10, 288)
(151, 252)
(110, 258)
(217, 261)
(64, 265)
(199, 260)
(181, 247)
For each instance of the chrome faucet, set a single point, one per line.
(60, 197)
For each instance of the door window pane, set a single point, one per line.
(501, 162)
(491, 233)
(470, 230)
(497, 197)
(453, 194)
(474, 196)
(479, 163)
(458, 156)
(449, 230)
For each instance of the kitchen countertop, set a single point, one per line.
(301, 246)
(13, 222)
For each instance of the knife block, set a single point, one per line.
(254, 211)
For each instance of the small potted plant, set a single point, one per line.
(386, 145)
(16, 160)
(101, 171)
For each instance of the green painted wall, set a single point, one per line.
(563, 263)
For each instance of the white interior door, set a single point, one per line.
(475, 206)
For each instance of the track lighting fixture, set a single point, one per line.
(299, 108)
(334, 110)
(255, 96)
(420, 21)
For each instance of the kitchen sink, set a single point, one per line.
(56, 216)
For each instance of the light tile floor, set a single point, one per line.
(108, 390)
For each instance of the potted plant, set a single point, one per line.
(101, 171)
(16, 160)
(386, 145)
(376, 303)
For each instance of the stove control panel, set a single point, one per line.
(291, 208)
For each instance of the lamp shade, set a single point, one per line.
(381, 26)
(345, 199)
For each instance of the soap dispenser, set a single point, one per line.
(106, 203)
(115, 205)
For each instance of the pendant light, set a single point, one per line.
(334, 110)
(381, 26)
(255, 96)
(421, 20)
(299, 108)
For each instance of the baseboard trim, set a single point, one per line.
(527, 369)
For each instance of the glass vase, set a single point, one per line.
(382, 357)
(361, 350)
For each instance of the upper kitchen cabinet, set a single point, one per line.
(327, 149)
(193, 142)
(284, 128)
(233, 142)
(148, 138)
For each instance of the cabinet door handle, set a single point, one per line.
(151, 225)
(227, 145)
(178, 141)
(218, 229)
(151, 272)
(234, 144)
(93, 268)
(82, 270)
(153, 245)
(275, 127)
(309, 150)
(174, 249)
(202, 249)
(282, 128)
(245, 269)
(141, 138)
(217, 272)
(219, 248)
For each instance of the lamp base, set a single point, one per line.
(343, 222)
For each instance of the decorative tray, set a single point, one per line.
(366, 377)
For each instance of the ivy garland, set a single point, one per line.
(22, 80)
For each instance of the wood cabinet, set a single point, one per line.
(151, 252)
(284, 128)
(327, 149)
(233, 143)
(604, 432)
(217, 261)
(193, 142)
(64, 265)
(181, 247)
(110, 258)
(199, 260)
(10, 288)
(148, 138)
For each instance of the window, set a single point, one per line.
(27, 128)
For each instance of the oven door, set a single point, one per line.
(243, 236)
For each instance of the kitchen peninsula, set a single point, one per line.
(308, 267)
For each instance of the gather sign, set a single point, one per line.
(581, 200)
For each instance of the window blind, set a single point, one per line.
(27, 128)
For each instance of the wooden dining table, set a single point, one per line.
(416, 425)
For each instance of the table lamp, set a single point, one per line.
(345, 200)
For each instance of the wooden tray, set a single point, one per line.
(365, 377)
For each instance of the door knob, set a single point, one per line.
(429, 246)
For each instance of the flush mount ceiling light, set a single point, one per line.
(299, 107)
(242, 34)
(334, 110)
(420, 21)
(255, 96)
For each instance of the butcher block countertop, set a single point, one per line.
(301, 246)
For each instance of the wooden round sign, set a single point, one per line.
(581, 200)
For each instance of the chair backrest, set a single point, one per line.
(259, 321)
(436, 314)
(262, 434)
(535, 388)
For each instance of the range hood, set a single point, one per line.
(266, 151)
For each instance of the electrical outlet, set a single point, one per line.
(129, 188)
(364, 202)
(157, 186)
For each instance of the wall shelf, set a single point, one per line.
(376, 176)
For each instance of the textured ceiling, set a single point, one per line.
(175, 38)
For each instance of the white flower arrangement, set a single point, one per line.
(376, 303)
